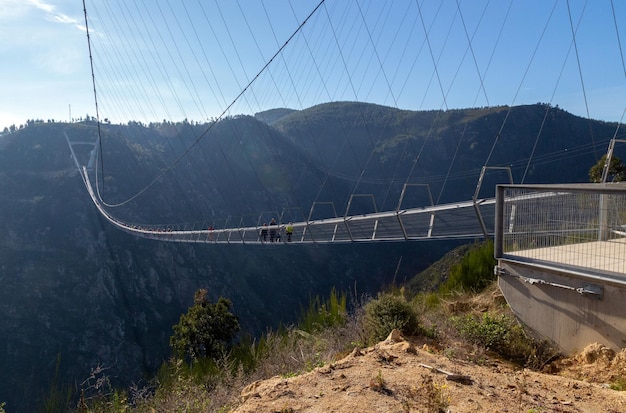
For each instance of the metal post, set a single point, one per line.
(477, 193)
(499, 223)
(375, 228)
(431, 225)
(603, 227)
(398, 213)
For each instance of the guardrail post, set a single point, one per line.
(398, 213)
(603, 227)
(499, 223)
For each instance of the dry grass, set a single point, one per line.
(282, 354)
(293, 352)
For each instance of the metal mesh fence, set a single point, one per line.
(581, 226)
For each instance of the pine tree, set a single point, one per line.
(206, 329)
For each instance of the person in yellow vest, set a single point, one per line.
(289, 231)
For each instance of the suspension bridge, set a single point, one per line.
(160, 57)
(556, 245)
(138, 67)
(437, 222)
(460, 220)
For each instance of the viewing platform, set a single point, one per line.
(602, 257)
(561, 252)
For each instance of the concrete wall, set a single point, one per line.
(568, 318)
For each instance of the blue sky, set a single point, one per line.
(175, 59)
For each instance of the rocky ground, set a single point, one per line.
(400, 375)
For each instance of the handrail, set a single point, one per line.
(389, 226)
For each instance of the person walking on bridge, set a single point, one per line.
(272, 230)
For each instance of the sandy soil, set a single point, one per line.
(399, 375)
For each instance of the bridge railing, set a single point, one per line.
(579, 227)
(436, 222)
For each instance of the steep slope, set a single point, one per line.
(79, 291)
(399, 375)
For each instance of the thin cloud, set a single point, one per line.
(58, 17)
(49, 8)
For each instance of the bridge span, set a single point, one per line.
(439, 222)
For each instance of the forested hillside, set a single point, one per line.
(78, 292)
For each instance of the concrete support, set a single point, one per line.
(570, 310)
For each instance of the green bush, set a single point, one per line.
(428, 301)
(386, 313)
(506, 337)
(619, 384)
(489, 331)
(321, 315)
(475, 271)
(617, 170)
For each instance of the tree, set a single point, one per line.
(617, 170)
(206, 329)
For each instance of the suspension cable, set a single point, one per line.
(582, 81)
(508, 112)
(619, 42)
(210, 127)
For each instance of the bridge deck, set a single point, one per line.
(448, 221)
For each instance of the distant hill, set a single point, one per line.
(75, 288)
(273, 115)
(445, 149)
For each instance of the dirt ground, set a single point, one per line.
(399, 375)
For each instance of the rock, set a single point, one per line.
(620, 359)
(408, 348)
(395, 336)
(596, 352)
(356, 352)
(251, 391)
(327, 369)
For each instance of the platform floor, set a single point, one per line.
(604, 256)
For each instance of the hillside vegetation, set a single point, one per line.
(98, 299)
(465, 321)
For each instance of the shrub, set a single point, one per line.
(474, 272)
(617, 170)
(321, 315)
(506, 337)
(488, 331)
(428, 301)
(386, 313)
(619, 384)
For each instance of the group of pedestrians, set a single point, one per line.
(275, 231)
